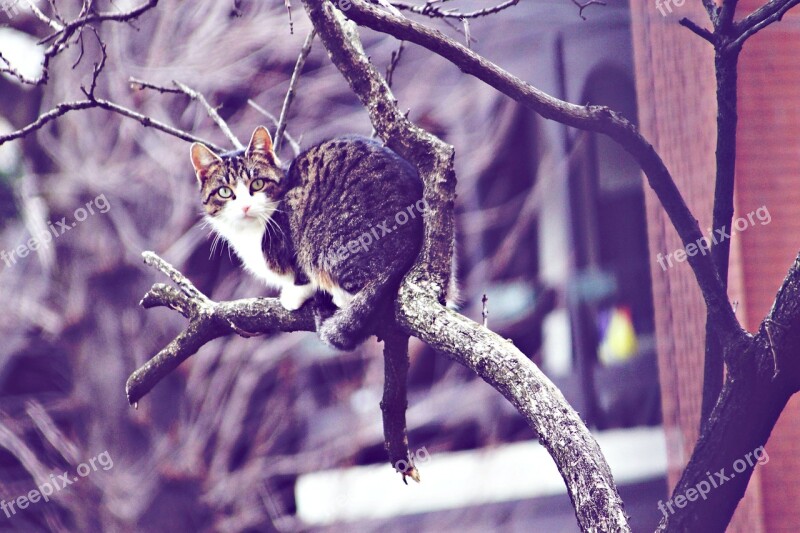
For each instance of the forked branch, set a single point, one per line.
(592, 118)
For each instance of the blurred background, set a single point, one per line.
(285, 434)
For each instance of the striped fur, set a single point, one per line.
(332, 227)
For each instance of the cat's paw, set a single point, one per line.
(341, 298)
(294, 296)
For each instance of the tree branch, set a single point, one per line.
(66, 31)
(295, 145)
(208, 320)
(395, 401)
(287, 102)
(212, 112)
(181, 88)
(725, 15)
(67, 107)
(726, 61)
(419, 311)
(429, 9)
(592, 118)
(184, 89)
(702, 32)
(759, 19)
(744, 416)
(584, 5)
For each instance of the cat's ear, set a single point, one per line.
(260, 143)
(202, 160)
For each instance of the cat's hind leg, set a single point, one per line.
(350, 325)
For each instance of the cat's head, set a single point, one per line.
(240, 190)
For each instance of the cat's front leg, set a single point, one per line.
(294, 296)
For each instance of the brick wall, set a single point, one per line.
(677, 110)
(768, 174)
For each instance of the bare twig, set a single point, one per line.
(288, 4)
(772, 11)
(392, 66)
(194, 95)
(67, 107)
(98, 67)
(295, 145)
(584, 5)
(70, 28)
(62, 37)
(290, 93)
(702, 32)
(182, 88)
(44, 18)
(11, 71)
(137, 85)
(429, 9)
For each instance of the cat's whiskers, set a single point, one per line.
(214, 243)
(271, 224)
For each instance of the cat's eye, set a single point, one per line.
(257, 185)
(224, 192)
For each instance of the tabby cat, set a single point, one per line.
(343, 219)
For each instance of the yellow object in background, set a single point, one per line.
(619, 341)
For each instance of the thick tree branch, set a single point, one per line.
(559, 428)
(208, 320)
(744, 416)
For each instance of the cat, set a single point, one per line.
(343, 219)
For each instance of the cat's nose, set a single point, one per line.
(246, 209)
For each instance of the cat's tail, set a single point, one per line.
(351, 325)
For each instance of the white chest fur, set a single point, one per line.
(245, 239)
